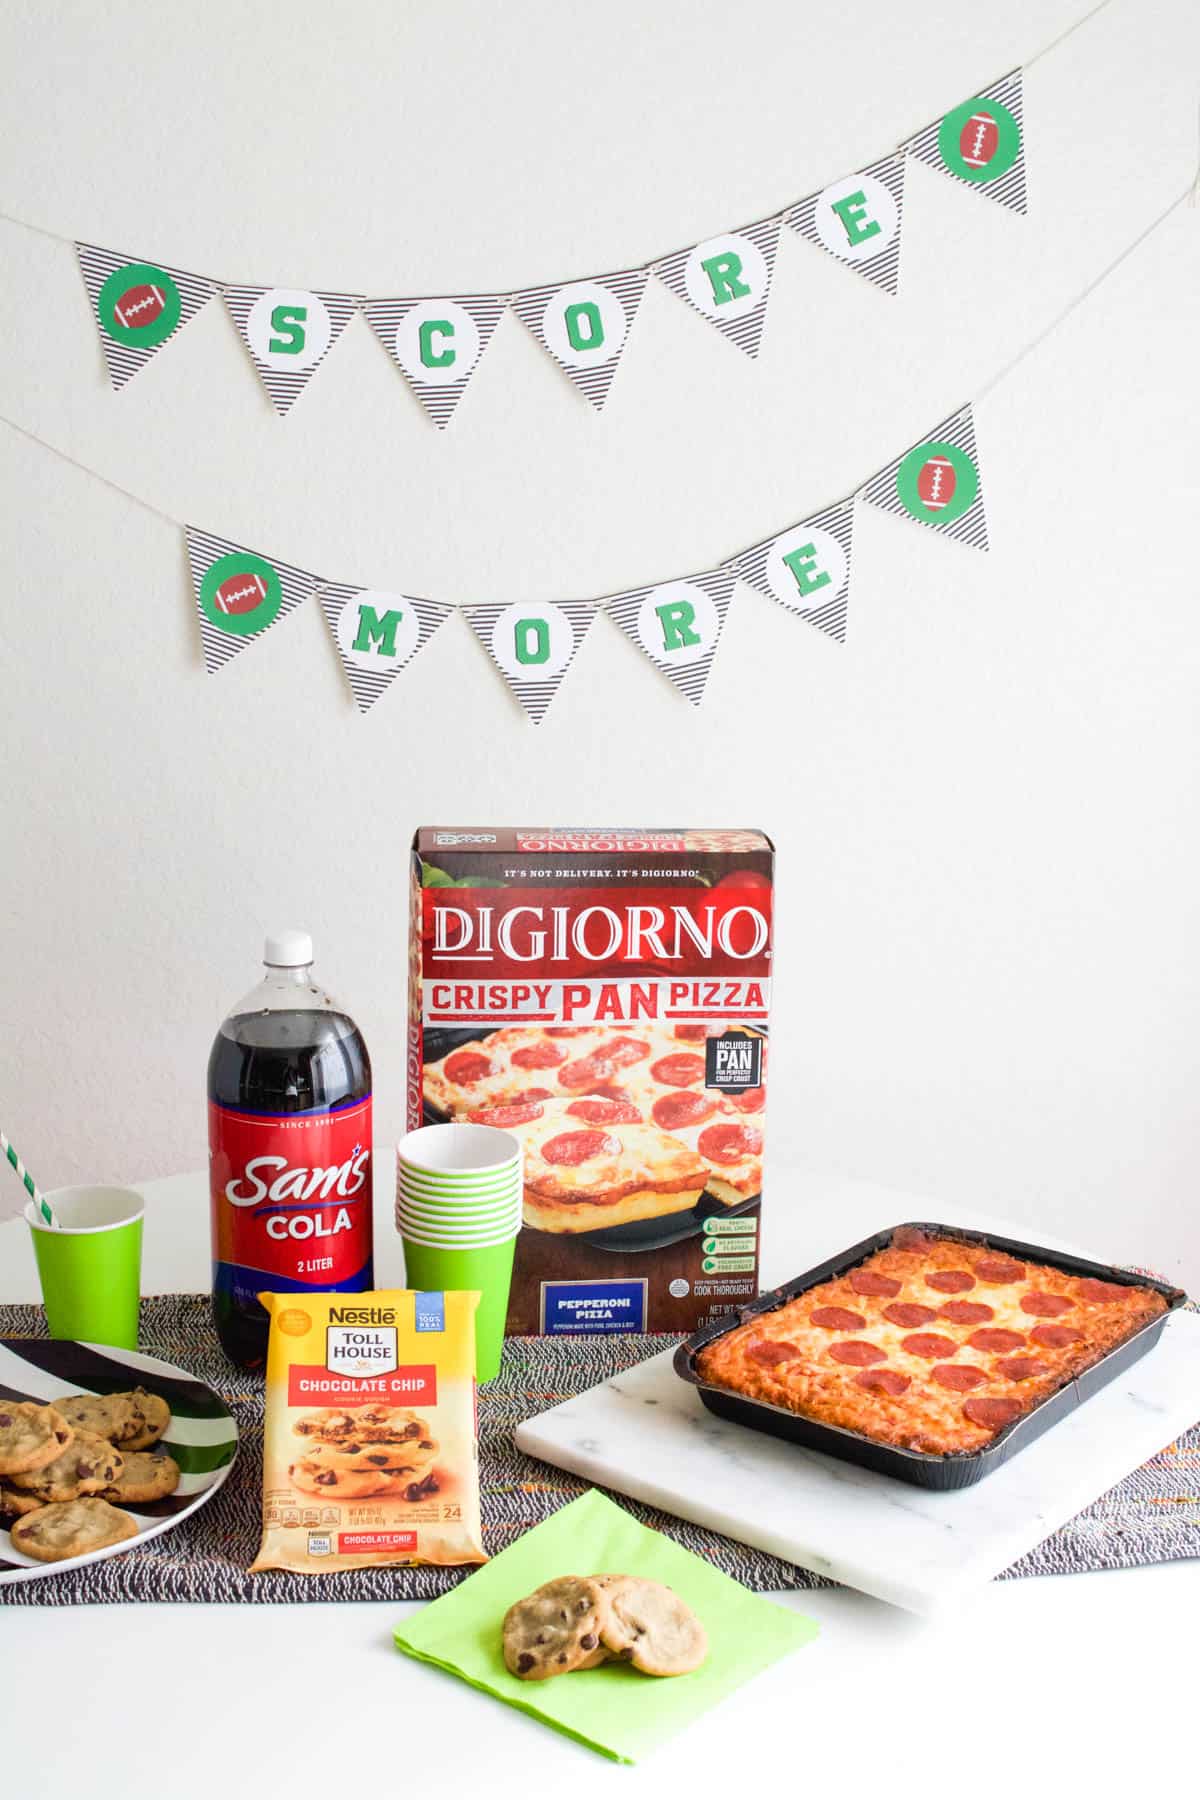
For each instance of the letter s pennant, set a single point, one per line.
(678, 625)
(533, 644)
(376, 634)
(288, 332)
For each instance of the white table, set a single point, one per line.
(1081, 1684)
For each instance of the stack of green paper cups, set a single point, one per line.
(458, 1210)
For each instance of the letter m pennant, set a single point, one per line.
(376, 634)
(678, 625)
(239, 594)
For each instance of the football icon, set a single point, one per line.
(240, 594)
(979, 140)
(139, 306)
(936, 483)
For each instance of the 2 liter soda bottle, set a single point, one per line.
(289, 1132)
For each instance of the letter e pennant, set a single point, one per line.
(807, 567)
(858, 219)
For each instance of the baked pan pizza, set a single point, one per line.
(931, 1344)
(616, 1122)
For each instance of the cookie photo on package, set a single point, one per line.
(370, 1458)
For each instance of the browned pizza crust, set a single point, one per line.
(925, 1369)
(599, 1212)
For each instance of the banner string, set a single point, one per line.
(651, 262)
(992, 382)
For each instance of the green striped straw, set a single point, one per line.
(34, 1191)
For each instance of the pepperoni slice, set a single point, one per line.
(570, 1148)
(751, 1101)
(1046, 1306)
(599, 1111)
(929, 1345)
(1102, 1293)
(869, 1281)
(538, 1056)
(534, 1094)
(1054, 1337)
(883, 1381)
(673, 1110)
(960, 1378)
(568, 1030)
(609, 1090)
(770, 1352)
(584, 1072)
(996, 1342)
(857, 1353)
(691, 1034)
(624, 1050)
(517, 1112)
(837, 1318)
(999, 1269)
(469, 1065)
(729, 1143)
(967, 1312)
(950, 1281)
(680, 1070)
(907, 1315)
(992, 1415)
(1020, 1368)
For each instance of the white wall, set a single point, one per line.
(988, 984)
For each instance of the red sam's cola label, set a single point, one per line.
(291, 1199)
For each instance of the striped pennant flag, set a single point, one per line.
(533, 645)
(239, 594)
(436, 343)
(938, 482)
(981, 142)
(807, 567)
(137, 305)
(678, 625)
(376, 634)
(288, 332)
(858, 220)
(584, 325)
(728, 279)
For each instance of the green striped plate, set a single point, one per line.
(202, 1435)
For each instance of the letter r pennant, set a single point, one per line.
(678, 625)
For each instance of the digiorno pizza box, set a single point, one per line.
(604, 995)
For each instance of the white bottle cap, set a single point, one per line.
(287, 949)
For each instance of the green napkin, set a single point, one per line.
(614, 1709)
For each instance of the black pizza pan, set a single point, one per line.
(918, 1467)
(640, 1234)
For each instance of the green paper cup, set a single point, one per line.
(488, 1268)
(437, 1238)
(90, 1268)
(421, 1187)
(455, 1231)
(459, 1152)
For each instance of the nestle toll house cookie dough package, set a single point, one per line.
(370, 1456)
(604, 995)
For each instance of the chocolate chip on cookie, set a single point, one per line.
(14, 1501)
(71, 1528)
(651, 1627)
(555, 1630)
(86, 1466)
(30, 1436)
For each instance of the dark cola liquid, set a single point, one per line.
(273, 1064)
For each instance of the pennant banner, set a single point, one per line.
(938, 482)
(982, 142)
(728, 280)
(678, 625)
(437, 344)
(239, 594)
(137, 305)
(806, 568)
(858, 220)
(288, 332)
(376, 634)
(584, 325)
(533, 645)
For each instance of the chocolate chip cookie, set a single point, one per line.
(86, 1466)
(651, 1627)
(363, 1424)
(111, 1416)
(155, 1415)
(30, 1436)
(555, 1630)
(14, 1501)
(71, 1528)
(355, 1454)
(144, 1477)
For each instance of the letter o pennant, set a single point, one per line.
(532, 643)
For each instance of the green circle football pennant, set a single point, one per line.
(240, 594)
(139, 304)
(979, 140)
(937, 483)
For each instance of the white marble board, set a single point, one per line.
(646, 1433)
